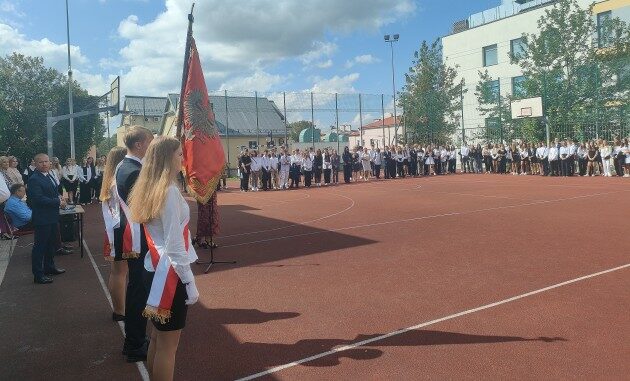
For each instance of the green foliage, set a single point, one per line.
(28, 89)
(581, 84)
(105, 145)
(296, 127)
(431, 98)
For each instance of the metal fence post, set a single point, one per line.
(312, 122)
(227, 131)
(461, 99)
(257, 124)
(383, 117)
(49, 136)
(360, 122)
(337, 122)
(284, 103)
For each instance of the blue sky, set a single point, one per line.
(245, 45)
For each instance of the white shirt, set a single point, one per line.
(307, 163)
(564, 151)
(296, 160)
(544, 152)
(256, 163)
(605, 151)
(72, 170)
(465, 151)
(572, 149)
(327, 164)
(85, 178)
(273, 163)
(285, 162)
(168, 237)
(524, 153)
(378, 158)
(265, 163)
(4, 190)
(553, 154)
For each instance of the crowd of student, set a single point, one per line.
(283, 169)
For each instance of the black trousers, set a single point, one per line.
(347, 172)
(335, 174)
(377, 171)
(555, 167)
(85, 193)
(135, 302)
(392, 169)
(465, 164)
(266, 179)
(452, 164)
(327, 176)
(545, 166)
(582, 166)
(565, 167)
(318, 175)
(244, 181)
(308, 176)
(386, 169)
(619, 162)
(46, 242)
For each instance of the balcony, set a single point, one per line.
(498, 13)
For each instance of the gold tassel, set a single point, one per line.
(109, 258)
(130, 255)
(160, 315)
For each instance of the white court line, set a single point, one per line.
(427, 323)
(144, 374)
(419, 218)
(295, 224)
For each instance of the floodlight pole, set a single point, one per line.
(391, 41)
(70, 105)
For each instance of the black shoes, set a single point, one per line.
(54, 271)
(117, 317)
(43, 280)
(139, 354)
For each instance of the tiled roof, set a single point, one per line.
(149, 106)
(389, 122)
(241, 117)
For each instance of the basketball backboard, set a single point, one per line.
(115, 97)
(527, 108)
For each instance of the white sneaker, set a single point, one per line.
(626, 175)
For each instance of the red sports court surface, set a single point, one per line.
(455, 277)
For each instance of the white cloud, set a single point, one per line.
(259, 81)
(319, 50)
(55, 55)
(336, 84)
(364, 59)
(324, 65)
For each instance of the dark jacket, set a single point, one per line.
(44, 199)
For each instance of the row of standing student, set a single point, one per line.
(148, 242)
(562, 158)
(272, 169)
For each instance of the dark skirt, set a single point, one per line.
(70, 186)
(85, 193)
(208, 218)
(179, 309)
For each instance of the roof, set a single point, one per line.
(241, 114)
(149, 106)
(389, 122)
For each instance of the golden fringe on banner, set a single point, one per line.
(157, 314)
(130, 255)
(207, 190)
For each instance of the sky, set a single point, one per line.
(268, 46)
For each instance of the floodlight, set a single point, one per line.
(387, 37)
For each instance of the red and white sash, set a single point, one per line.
(165, 279)
(111, 216)
(131, 235)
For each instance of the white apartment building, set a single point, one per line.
(485, 40)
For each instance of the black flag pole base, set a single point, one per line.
(212, 261)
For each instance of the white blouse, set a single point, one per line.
(167, 233)
(72, 170)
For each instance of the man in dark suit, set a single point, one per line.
(45, 201)
(137, 140)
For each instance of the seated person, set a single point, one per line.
(17, 209)
(21, 215)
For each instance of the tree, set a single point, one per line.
(106, 144)
(564, 65)
(28, 90)
(296, 127)
(431, 99)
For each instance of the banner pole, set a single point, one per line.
(180, 109)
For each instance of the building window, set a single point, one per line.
(492, 91)
(490, 55)
(156, 118)
(518, 90)
(253, 144)
(603, 28)
(517, 48)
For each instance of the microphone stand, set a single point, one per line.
(212, 261)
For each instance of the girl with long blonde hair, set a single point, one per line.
(111, 215)
(156, 202)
